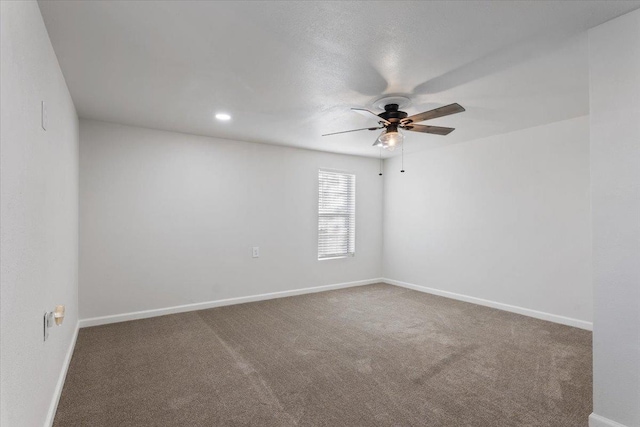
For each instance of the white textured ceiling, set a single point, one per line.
(290, 71)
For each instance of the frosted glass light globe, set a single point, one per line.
(391, 140)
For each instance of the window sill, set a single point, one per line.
(337, 257)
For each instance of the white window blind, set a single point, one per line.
(336, 214)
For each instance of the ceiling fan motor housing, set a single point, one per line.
(392, 114)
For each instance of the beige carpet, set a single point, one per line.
(375, 355)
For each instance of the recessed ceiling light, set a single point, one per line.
(223, 116)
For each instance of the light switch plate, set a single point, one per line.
(45, 325)
(256, 252)
(45, 118)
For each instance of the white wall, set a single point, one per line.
(614, 65)
(39, 218)
(504, 219)
(168, 219)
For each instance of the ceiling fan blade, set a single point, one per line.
(432, 114)
(436, 130)
(352, 130)
(369, 114)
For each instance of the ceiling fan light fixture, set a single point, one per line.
(390, 139)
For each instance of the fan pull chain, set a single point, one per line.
(380, 174)
(402, 170)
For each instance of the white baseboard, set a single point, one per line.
(596, 420)
(63, 375)
(494, 304)
(103, 320)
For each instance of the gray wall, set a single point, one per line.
(39, 218)
(614, 67)
(505, 219)
(168, 219)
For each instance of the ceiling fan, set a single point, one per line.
(392, 119)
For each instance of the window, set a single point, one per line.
(336, 214)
